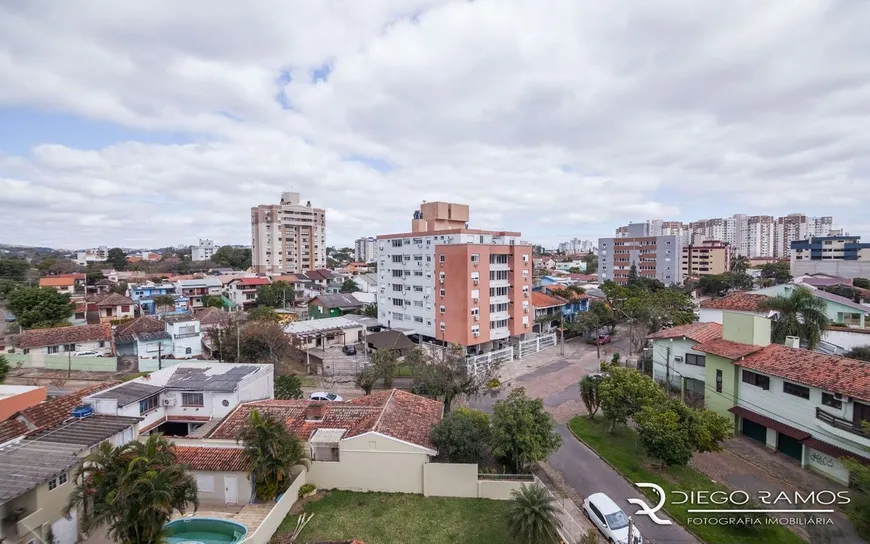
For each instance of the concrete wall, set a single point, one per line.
(746, 328)
(847, 339)
(450, 480)
(274, 518)
(843, 269)
(498, 489)
(64, 362)
(216, 492)
(372, 462)
(716, 401)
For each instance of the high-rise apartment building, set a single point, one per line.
(656, 257)
(575, 246)
(454, 284)
(203, 251)
(842, 255)
(288, 237)
(365, 249)
(704, 257)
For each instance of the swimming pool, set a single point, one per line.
(204, 531)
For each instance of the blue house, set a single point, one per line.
(145, 293)
(573, 306)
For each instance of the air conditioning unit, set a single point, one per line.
(525, 310)
(477, 318)
(526, 325)
(475, 299)
(169, 402)
(441, 281)
(475, 281)
(475, 265)
(475, 334)
(678, 359)
(525, 294)
(419, 245)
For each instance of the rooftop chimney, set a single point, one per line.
(315, 412)
(793, 342)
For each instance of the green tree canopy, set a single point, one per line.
(589, 393)
(164, 302)
(349, 286)
(591, 261)
(625, 392)
(446, 375)
(39, 307)
(800, 314)
(778, 272)
(739, 264)
(133, 490)
(862, 353)
(273, 451)
(385, 361)
(862, 283)
(232, 257)
(13, 269)
(277, 295)
(117, 258)
(4, 368)
(672, 432)
(523, 432)
(371, 310)
(262, 313)
(533, 516)
(213, 301)
(366, 378)
(462, 436)
(288, 387)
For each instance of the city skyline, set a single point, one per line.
(154, 135)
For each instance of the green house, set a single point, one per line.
(333, 305)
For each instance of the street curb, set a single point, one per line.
(593, 450)
(777, 477)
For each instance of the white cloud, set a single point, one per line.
(557, 122)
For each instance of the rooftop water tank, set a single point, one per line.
(82, 411)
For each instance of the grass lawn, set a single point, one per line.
(394, 518)
(622, 451)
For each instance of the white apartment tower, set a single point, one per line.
(288, 237)
(203, 251)
(366, 249)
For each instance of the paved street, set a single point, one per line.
(2, 321)
(579, 466)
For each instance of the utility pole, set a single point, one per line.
(69, 364)
(160, 355)
(562, 330)
(238, 341)
(668, 371)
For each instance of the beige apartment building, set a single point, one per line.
(706, 257)
(453, 284)
(288, 237)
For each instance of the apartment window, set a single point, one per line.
(398, 302)
(495, 275)
(718, 381)
(407, 258)
(418, 273)
(418, 288)
(397, 242)
(407, 273)
(756, 379)
(398, 317)
(441, 276)
(53, 349)
(525, 257)
(192, 399)
(428, 258)
(442, 326)
(69, 347)
(398, 288)
(442, 292)
(62, 479)
(475, 275)
(498, 324)
(475, 257)
(830, 400)
(525, 273)
(796, 390)
(498, 259)
(696, 360)
(442, 308)
(418, 303)
(475, 311)
(397, 273)
(397, 259)
(146, 405)
(418, 319)
(418, 240)
(406, 241)
(441, 258)
(498, 291)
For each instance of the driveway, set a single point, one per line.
(580, 467)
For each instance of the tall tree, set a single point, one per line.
(589, 393)
(4, 368)
(778, 272)
(632, 274)
(591, 261)
(349, 286)
(132, 489)
(14, 269)
(366, 378)
(39, 307)
(446, 376)
(462, 436)
(263, 313)
(672, 431)
(533, 516)
(625, 392)
(523, 432)
(273, 451)
(164, 303)
(117, 258)
(231, 257)
(800, 314)
(288, 387)
(277, 295)
(739, 264)
(385, 361)
(371, 310)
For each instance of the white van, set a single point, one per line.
(610, 519)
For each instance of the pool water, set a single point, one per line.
(204, 531)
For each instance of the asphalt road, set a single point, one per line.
(2, 321)
(583, 470)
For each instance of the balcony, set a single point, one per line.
(186, 335)
(841, 423)
(499, 333)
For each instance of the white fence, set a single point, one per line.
(528, 347)
(479, 362)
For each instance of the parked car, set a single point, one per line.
(326, 396)
(10, 317)
(88, 353)
(349, 350)
(610, 519)
(601, 339)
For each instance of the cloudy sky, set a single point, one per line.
(158, 122)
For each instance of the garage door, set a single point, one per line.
(789, 446)
(66, 530)
(755, 431)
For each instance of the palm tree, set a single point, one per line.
(133, 489)
(163, 301)
(739, 264)
(800, 314)
(532, 516)
(273, 451)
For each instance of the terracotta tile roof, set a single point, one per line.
(289, 278)
(727, 348)
(571, 295)
(252, 281)
(11, 428)
(56, 281)
(55, 411)
(699, 332)
(739, 301)
(584, 277)
(829, 372)
(114, 299)
(212, 316)
(215, 459)
(393, 412)
(540, 300)
(35, 338)
(139, 324)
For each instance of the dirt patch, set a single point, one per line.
(299, 507)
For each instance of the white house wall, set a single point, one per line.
(211, 486)
(679, 370)
(846, 339)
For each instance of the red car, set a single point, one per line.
(601, 340)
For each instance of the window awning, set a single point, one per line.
(326, 436)
(797, 434)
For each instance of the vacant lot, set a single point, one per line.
(394, 518)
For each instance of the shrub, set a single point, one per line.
(305, 489)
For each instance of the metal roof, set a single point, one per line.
(320, 325)
(129, 392)
(152, 336)
(86, 431)
(327, 436)
(197, 379)
(29, 463)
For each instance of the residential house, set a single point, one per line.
(378, 442)
(547, 310)
(334, 305)
(62, 284)
(223, 472)
(15, 398)
(395, 341)
(144, 294)
(367, 283)
(186, 333)
(583, 279)
(113, 307)
(102, 287)
(566, 266)
(738, 301)
(145, 337)
(242, 292)
(39, 343)
(544, 263)
(557, 280)
(320, 277)
(575, 303)
(37, 476)
(222, 271)
(197, 289)
(838, 309)
(676, 362)
(805, 405)
(210, 318)
(80, 314)
(330, 331)
(179, 399)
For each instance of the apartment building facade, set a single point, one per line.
(843, 256)
(704, 257)
(365, 249)
(454, 284)
(203, 251)
(656, 257)
(575, 246)
(288, 237)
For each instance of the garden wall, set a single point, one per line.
(450, 480)
(275, 516)
(62, 362)
(498, 489)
